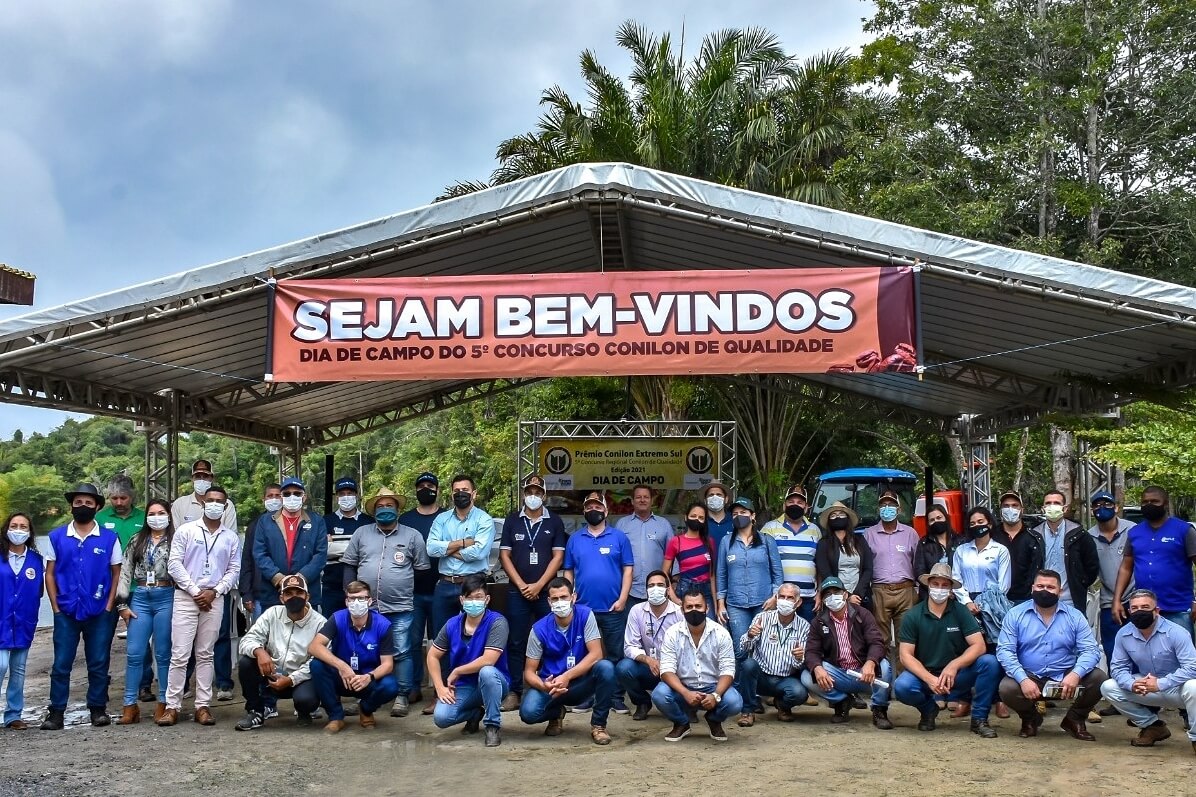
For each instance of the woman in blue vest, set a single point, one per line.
(148, 610)
(21, 585)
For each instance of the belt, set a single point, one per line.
(459, 579)
(902, 584)
(162, 582)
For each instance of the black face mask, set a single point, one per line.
(839, 523)
(976, 532)
(741, 521)
(1044, 599)
(595, 516)
(462, 500)
(939, 527)
(1154, 512)
(295, 604)
(694, 525)
(83, 514)
(695, 617)
(425, 496)
(1142, 619)
(794, 512)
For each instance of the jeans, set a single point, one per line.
(598, 683)
(739, 620)
(805, 609)
(788, 690)
(331, 689)
(521, 614)
(332, 589)
(1134, 707)
(153, 607)
(421, 624)
(983, 675)
(97, 635)
(1183, 619)
(255, 687)
(670, 704)
(12, 661)
(845, 685)
(400, 630)
(637, 680)
(446, 602)
(485, 698)
(612, 626)
(1108, 633)
(222, 653)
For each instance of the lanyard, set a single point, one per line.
(784, 637)
(653, 634)
(209, 548)
(531, 535)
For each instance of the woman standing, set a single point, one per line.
(149, 611)
(694, 557)
(22, 579)
(844, 553)
(938, 545)
(984, 568)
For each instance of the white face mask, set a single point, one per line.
(786, 607)
(533, 502)
(657, 595)
(715, 503)
(18, 536)
(561, 608)
(1011, 514)
(212, 510)
(347, 503)
(158, 522)
(292, 503)
(358, 607)
(272, 504)
(201, 486)
(835, 602)
(939, 594)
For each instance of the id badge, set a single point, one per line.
(533, 558)
(151, 579)
(207, 569)
(570, 662)
(353, 662)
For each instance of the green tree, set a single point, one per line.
(36, 490)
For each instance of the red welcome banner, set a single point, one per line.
(810, 320)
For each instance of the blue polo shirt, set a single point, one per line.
(1162, 561)
(597, 563)
(521, 536)
(718, 529)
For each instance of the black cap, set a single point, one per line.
(427, 476)
(345, 483)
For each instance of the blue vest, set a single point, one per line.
(365, 643)
(462, 652)
(82, 573)
(557, 646)
(20, 599)
(1161, 563)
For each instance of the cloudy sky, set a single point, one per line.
(140, 138)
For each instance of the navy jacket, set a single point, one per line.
(308, 558)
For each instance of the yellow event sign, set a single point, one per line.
(675, 463)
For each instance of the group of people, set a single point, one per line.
(711, 618)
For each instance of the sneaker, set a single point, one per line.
(618, 706)
(510, 702)
(122, 634)
(584, 708)
(1109, 711)
(982, 729)
(188, 693)
(351, 710)
(224, 695)
(716, 730)
(641, 712)
(880, 718)
(599, 735)
(270, 712)
(493, 736)
(679, 732)
(251, 722)
(401, 707)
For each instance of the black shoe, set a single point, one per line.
(53, 721)
(100, 718)
(1109, 711)
(842, 710)
(471, 725)
(304, 720)
(982, 729)
(926, 722)
(641, 712)
(147, 695)
(251, 722)
(493, 736)
(880, 718)
(858, 702)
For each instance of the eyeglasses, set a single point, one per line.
(291, 494)
(1109, 504)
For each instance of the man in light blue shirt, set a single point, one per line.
(1154, 665)
(461, 539)
(649, 534)
(1041, 641)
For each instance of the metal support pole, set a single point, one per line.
(1090, 478)
(162, 453)
(976, 479)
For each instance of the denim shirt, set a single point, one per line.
(748, 576)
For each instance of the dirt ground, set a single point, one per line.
(411, 756)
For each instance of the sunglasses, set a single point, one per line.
(291, 494)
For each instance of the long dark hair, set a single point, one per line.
(988, 518)
(755, 538)
(848, 543)
(704, 532)
(141, 542)
(8, 546)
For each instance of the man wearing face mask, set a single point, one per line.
(1158, 556)
(189, 507)
(461, 540)
(1153, 667)
(421, 517)
(943, 651)
(718, 516)
(639, 670)
(205, 562)
(293, 540)
(1044, 640)
(797, 542)
(353, 656)
(341, 524)
(1110, 533)
(531, 552)
(565, 666)
(893, 545)
(386, 555)
(82, 570)
(775, 648)
(1068, 550)
(1025, 552)
(599, 560)
(649, 534)
(475, 642)
(275, 657)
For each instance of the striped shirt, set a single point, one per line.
(847, 659)
(693, 557)
(773, 647)
(796, 547)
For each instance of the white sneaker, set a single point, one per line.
(270, 713)
(224, 695)
(122, 634)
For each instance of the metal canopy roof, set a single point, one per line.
(1007, 335)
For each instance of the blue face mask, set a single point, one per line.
(386, 515)
(888, 513)
(1104, 513)
(473, 608)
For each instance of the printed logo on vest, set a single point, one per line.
(30, 573)
(97, 551)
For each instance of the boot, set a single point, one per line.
(129, 715)
(53, 721)
(880, 718)
(159, 712)
(842, 710)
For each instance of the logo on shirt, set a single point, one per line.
(518, 537)
(30, 573)
(952, 628)
(400, 557)
(109, 525)
(1168, 539)
(604, 550)
(370, 646)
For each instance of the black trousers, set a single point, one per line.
(255, 686)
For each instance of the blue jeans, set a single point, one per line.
(484, 697)
(612, 626)
(97, 635)
(1183, 619)
(331, 689)
(400, 630)
(788, 690)
(739, 620)
(598, 683)
(845, 685)
(805, 609)
(983, 675)
(421, 627)
(1108, 633)
(521, 614)
(446, 602)
(332, 589)
(637, 679)
(670, 704)
(153, 607)
(12, 661)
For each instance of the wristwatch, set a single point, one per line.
(717, 697)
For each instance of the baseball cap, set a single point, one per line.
(890, 495)
(592, 497)
(708, 486)
(830, 582)
(427, 476)
(745, 502)
(797, 489)
(345, 483)
(1104, 495)
(292, 481)
(1011, 494)
(295, 580)
(534, 480)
